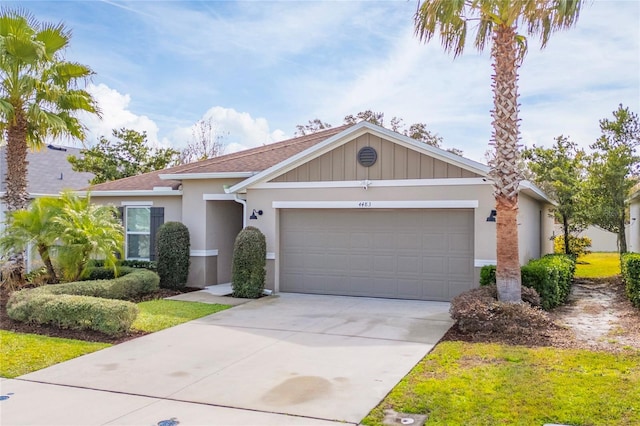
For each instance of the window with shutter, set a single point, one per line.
(141, 224)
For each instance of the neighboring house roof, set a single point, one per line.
(244, 164)
(48, 170)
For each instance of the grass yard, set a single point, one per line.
(24, 353)
(489, 384)
(598, 265)
(156, 315)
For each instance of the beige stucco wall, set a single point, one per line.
(172, 204)
(531, 224)
(262, 199)
(224, 219)
(202, 220)
(634, 226)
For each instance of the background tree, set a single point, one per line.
(496, 22)
(34, 225)
(560, 172)
(39, 94)
(206, 142)
(417, 131)
(128, 155)
(613, 171)
(312, 126)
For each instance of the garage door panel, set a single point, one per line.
(413, 254)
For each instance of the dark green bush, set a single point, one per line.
(102, 273)
(141, 264)
(630, 264)
(173, 246)
(112, 317)
(249, 261)
(85, 304)
(550, 276)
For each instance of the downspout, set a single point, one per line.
(237, 199)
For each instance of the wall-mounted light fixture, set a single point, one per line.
(492, 216)
(253, 214)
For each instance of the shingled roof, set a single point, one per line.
(48, 171)
(252, 160)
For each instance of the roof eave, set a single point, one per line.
(217, 175)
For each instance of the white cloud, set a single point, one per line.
(239, 129)
(115, 115)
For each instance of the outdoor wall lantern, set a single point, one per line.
(492, 216)
(253, 214)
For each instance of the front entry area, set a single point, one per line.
(422, 254)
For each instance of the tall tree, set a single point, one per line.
(39, 94)
(128, 155)
(206, 142)
(497, 22)
(560, 172)
(613, 171)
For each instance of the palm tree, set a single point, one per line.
(39, 96)
(497, 22)
(35, 226)
(87, 231)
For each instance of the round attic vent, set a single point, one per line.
(367, 156)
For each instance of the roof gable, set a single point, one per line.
(362, 133)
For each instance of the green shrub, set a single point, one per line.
(112, 317)
(140, 264)
(85, 304)
(249, 261)
(630, 263)
(173, 246)
(550, 276)
(577, 245)
(131, 283)
(103, 273)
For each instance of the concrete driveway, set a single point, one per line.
(289, 359)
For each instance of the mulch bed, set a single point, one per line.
(7, 323)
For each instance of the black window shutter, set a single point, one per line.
(157, 219)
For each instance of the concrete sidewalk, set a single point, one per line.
(290, 359)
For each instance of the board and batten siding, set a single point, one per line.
(394, 162)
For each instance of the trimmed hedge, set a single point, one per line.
(138, 264)
(173, 249)
(84, 305)
(549, 276)
(249, 263)
(103, 273)
(630, 265)
(112, 317)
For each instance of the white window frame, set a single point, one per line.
(127, 232)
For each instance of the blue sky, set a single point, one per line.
(258, 68)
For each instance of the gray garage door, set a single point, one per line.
(406, 254)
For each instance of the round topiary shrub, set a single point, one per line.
(249, 261)
(172, 248)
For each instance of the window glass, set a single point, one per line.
(138, 246)
(138, 219)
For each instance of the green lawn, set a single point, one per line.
(24, 353)
(488, 384)
(598, 265)
(156, 315)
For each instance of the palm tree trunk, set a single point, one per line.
(504, 165)
(16, 196)
(46, 259)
